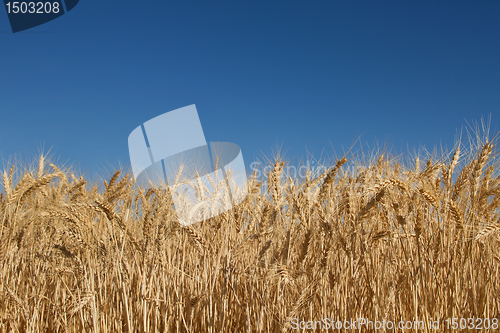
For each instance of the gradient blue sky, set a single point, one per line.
(306, 75)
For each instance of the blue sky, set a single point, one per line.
(303, 75)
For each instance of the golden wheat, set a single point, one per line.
(387, 242)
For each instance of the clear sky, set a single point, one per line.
(308, 75)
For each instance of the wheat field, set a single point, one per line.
(412, 239)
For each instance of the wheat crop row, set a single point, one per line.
(393, 240)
